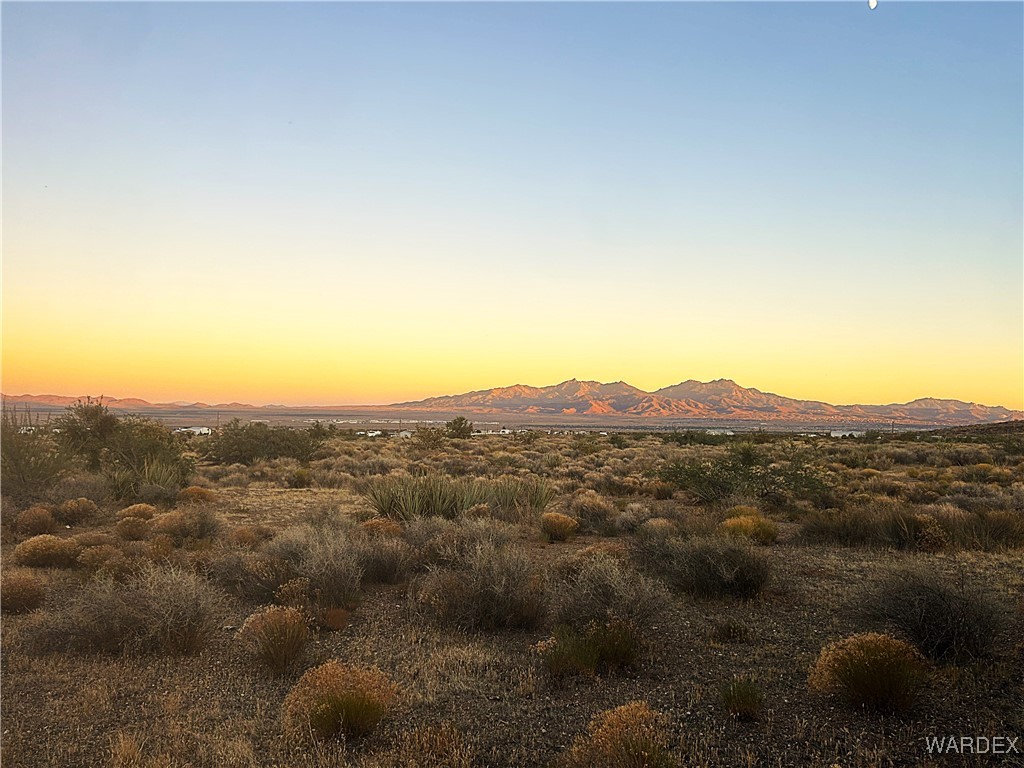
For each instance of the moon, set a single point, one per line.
(872, 4)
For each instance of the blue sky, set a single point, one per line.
(650, 156)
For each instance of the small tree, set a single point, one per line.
(459, 427)
(86, 429)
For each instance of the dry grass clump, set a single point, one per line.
(495, 588)
(337, 699)
(705, 566)
(754, 528)
(35, 521)
(195, 494)
(948, 620)
(141, 511)
(382, 527)
(741, 698)
(133, 528)
(184, 524)
(883, 524)
(75, 511)
(557, 527)
(249, 536)
(729, 631)
(594, 513)
(253, 576)
(870, 670)
(275, 636)
(47, 551)
(430, 746)
(596, 648)
(21, 591)
(658, 527)
(630, 736)
(158, 610)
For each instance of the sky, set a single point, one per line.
(368, 203)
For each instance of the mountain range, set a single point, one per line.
(718, 400)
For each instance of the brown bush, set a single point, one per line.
(870, 670)
(275, 636)
(21, 591)
(197, 495)
(94, 539)
(133, 528)
(382, 526)
(630, 736)
(141, 511)
(75, 511)
(337, 699)
(249, 536)
(557, 527)
(189, 523)
(47, 551)
(35, 521)
(594, 513)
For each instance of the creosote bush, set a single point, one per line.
(631, 736)
(193, 522)
(337, 699)
(493, 589)
(21, 591)
(557, 527)
(949, 620)
(47, 551)
(35, 521)
(705, 566)
(157, 610)
(870, 670)
(275, 636)
(324, 556)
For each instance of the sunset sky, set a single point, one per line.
(367, 203)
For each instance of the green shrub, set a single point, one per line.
(630, 736)
(336, 699)
(31, 462)
(47, 551)
(870, 670)
(237, 443)
(275, 636)
(742, 698)
(948, 620)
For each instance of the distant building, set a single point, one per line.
(847, 433)
(194, 430)
(720, 432)
(405, 434)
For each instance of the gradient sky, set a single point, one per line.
(364, 203)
